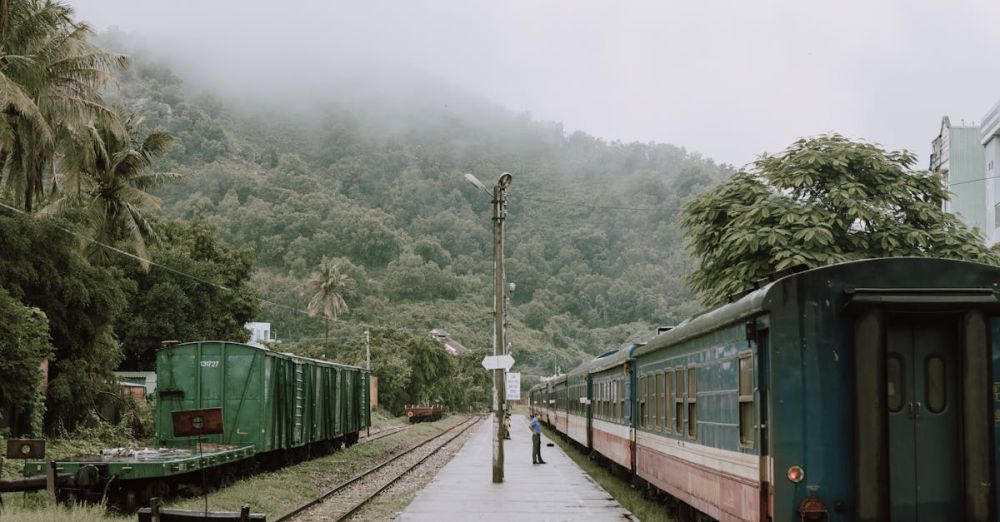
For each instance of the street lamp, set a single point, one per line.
(499, 310)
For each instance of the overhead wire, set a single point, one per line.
(972, 181)
(154, 263)
(205, 281)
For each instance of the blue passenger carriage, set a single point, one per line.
(858, 391)
(578, 405)
(612, 403)
(558, 416)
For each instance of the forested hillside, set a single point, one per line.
(593, 242)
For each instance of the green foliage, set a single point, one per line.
(410, 278)
(327, 288)
(412, 369)
(107, 180)
(51, 76)
(823, 200)
(24, 344)
(378, 191)
(41, 266)
(164, 305)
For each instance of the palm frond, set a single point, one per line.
(13, 98)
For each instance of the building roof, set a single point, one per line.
(450, 345)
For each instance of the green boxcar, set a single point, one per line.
(271, 400)
(273, 404)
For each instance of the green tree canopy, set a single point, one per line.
(24, 344)
(41, 266)
(823, 200)
(164, 305)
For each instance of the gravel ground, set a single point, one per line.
(394, 499)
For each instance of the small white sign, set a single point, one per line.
(513, 386)
(498, 362)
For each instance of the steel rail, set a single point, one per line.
(384, 433)
(340, 487)
(395, 479)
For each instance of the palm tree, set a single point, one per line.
(105, 175)
(50, 82)
(328, 287)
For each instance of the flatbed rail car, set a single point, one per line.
(423, 413)
(857, 391)
(278, 408)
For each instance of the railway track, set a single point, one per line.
(347, 498)
(384, 433)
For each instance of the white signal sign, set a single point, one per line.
(513, 386)
(498, 362)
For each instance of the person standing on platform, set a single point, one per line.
(506, 426)
(536, 439)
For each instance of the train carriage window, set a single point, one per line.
(597, 399)
(604, 400)
(638, 399)
(668, 400)
(658, 393)
(935, 384)
(679, 401)
(692, 402)
(649, 401)
(613, 398)
(746, 400)
(621, 396)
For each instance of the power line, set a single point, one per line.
(158, 265)
(587, 205)
(971, 181)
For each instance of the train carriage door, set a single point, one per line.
(924, 418)
(588, 405)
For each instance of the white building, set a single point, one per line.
(147, 379)
(989, 137)
(259, 334)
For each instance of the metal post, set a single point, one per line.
(154, 509)
(368, 366)
(368, 351)
(51, 477)
(499, 341)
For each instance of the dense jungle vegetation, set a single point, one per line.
(376, 189)
(323, 217)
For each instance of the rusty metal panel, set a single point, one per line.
(191, 423)
(25, 449)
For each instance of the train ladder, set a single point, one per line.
(299, 403)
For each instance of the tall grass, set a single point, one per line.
(13, 511)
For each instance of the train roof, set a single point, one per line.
(605, 360)
(272, 353)
(757, 301)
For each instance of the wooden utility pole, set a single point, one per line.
(499, 313)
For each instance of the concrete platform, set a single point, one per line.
(557, 490)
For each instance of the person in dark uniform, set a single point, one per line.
(536, 439)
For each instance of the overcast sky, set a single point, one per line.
(727, 79)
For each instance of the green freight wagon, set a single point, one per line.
(271, 400)
(277, 409)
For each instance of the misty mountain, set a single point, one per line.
(370, 173)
